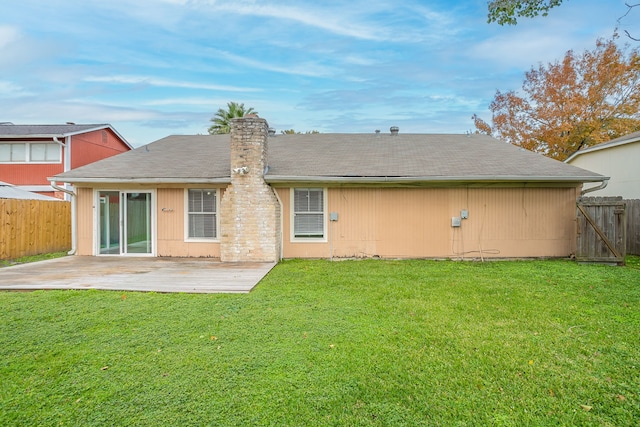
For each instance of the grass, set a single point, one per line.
(358, 343)
(31, 258)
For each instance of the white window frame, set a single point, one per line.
(187, 238)
(27, 153)
(292, 216)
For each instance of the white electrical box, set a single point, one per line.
(333, 216)
(464, 214)
(456, 221)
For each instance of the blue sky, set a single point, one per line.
(153, 68)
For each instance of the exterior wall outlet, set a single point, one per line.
(333, 216)
(464, 214)
(456, 221)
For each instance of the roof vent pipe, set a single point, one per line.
(272, 131)
(394, 130)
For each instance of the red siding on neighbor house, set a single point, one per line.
(93, 146)
(28, 174)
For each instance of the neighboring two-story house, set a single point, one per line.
(31, 153)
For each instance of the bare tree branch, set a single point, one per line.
(629, 8)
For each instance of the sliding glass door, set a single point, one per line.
(125, 223)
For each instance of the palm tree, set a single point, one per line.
(222, 119)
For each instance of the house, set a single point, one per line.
(256, 196)
(31, 153)
(618, 159)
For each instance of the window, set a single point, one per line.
(13, 153)
(202, 221)
(308, 213)
(44, 152)
(30, 152)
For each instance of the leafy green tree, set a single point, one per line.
(222, 119)
(507, 11)
(583, 100)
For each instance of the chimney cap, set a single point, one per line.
(394, 130)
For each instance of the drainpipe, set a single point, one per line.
(74, 225)
(66, 158)
(281, 254)
(602, 185)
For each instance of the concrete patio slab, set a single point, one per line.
(189, 275)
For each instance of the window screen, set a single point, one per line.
(308, 215)
(202, 213)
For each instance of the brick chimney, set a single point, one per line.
(250, 211)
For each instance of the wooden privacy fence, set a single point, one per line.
(31, 227)
(633, 226)
(601, 230)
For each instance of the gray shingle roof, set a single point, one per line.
(336, 157)
(46, 130)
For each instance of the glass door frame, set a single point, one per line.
(122, 211)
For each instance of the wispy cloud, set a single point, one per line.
(330, 65)
(10, 90)
(306, 68)
(359, 19)
(152, 81)
(185, 102)
(8, 33)
(324, 18)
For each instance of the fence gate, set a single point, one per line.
(601, 230)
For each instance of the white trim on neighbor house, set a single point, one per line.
(602, 146)
(292, 215)
(36, 188)
(216, 238)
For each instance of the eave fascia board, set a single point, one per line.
(142, 180)
(277, 179)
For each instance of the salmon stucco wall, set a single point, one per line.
(171, 227)
(169, 217)
(416, 223)
(84, 206)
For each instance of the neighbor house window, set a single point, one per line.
(308, 213)
(44, 152)
(13, 152)
(30, 152)
(202, 215)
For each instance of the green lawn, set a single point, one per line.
(355, 343)
(31, 258)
